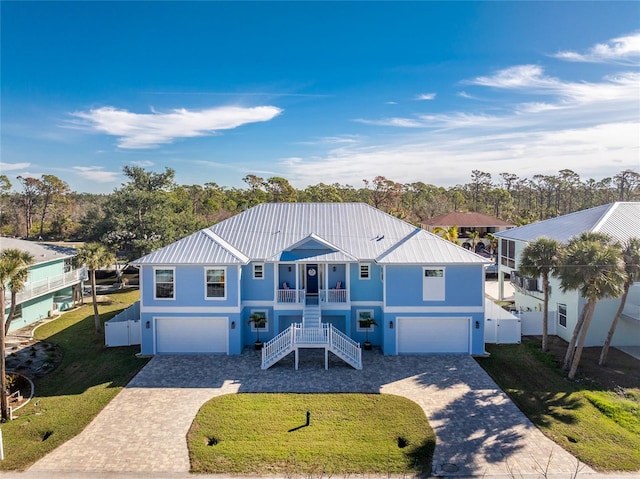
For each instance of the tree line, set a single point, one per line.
(151, 210)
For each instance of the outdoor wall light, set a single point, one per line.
(334, 269)
(390, 324)
(147, 325)
(233, 325)
(477, 324)
(289, 269)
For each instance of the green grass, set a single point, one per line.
(348, 433)
(69, 397)
(601, 428)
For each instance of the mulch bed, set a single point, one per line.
(621, 370)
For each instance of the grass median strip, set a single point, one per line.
(69, 397)
(346, 433)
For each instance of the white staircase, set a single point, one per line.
(312, 333)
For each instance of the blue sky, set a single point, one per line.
(318, 91)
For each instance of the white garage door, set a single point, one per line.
(191, 335)
(433, 335)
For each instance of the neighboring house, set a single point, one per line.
(468, 222)
(619, 220)
(52, 284)
(323, 267)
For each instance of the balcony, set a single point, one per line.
(48, 285)
(298, 296)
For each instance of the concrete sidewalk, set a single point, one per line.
(480, 432)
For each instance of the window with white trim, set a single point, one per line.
(164, 279)
(562, 315)
(258, 271)
(259, 320)
(215, 283)
(364, 271)
(433, 284)
(365, 316)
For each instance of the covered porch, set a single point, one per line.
(298, 282)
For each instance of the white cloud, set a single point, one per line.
(401, 122)
(625, 50)
(425, 96)
(13, 166)
(96, 173)
(442, 157)
(390, 102)
(143, 163)
(149, 130)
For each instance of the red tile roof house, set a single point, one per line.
(468, 221)
(315, 272)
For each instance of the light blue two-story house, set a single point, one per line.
(314, 272)
(53, 283)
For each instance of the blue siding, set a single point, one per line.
(257, 289)
(366, 289)
(189, 287)
(463, 286)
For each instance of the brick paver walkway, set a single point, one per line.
(479, 430)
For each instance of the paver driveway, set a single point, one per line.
(479, 430)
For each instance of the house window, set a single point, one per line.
(365, 316)
(165, 283)
(18, 312)
(364, 271)
(68, 264)
(215, 279)
(258, 320)
(562, 315)
(433, 284)
(508, 253)
(258, 271)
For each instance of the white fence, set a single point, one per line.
(500, 326)
(124, 328)
(532, 323)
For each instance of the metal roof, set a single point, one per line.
(41, 252)
(620, 220)
(351, 232)
(424, 247)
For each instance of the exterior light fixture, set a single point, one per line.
(147, 325)
(477, 324)
(233, 325)
(390, 324)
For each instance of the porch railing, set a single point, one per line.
(47, 285)
(291, 296)
(326, 295)
(333, 295)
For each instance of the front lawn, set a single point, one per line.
(598, 426)
(69, 397)
(347, 434)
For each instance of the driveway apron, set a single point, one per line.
(479, 430)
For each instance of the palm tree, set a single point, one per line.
(540, 258)
(474, 236)
(13, 267)
(631, 258)
(593, 266)
(450, 233)
(94, 256)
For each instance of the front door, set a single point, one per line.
(312, 279)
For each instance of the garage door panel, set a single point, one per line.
(191, 335)
(433, 335)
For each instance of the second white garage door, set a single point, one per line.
(433, 335)
(191, 335)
